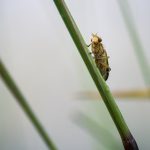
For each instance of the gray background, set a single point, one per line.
(42, 58)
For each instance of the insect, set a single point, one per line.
(100, 56)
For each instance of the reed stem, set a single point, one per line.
(127, 138)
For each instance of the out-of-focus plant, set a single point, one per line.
(5, 76)
(97, 131)
(138, 47)
(128, 94)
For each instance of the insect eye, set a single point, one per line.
(99, 40)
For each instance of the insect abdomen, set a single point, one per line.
(103, 67)
(101, 61)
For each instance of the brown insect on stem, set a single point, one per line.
(100, 55)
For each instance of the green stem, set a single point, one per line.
(138, 47)
(127, 138)
(23, 103)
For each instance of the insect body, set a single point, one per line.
(100, 56)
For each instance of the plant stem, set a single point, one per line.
(23, 103)
(138, 47)
(127, 139)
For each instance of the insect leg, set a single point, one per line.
(89, 45)
(92, 55)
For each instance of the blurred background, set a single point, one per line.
(43, 60)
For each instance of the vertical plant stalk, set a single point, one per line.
(126, 136)
(138, 47)
(24, 105)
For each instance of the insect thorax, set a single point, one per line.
(97, 48)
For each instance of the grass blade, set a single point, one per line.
(24, 105)
(127, 138)
(138, 47)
